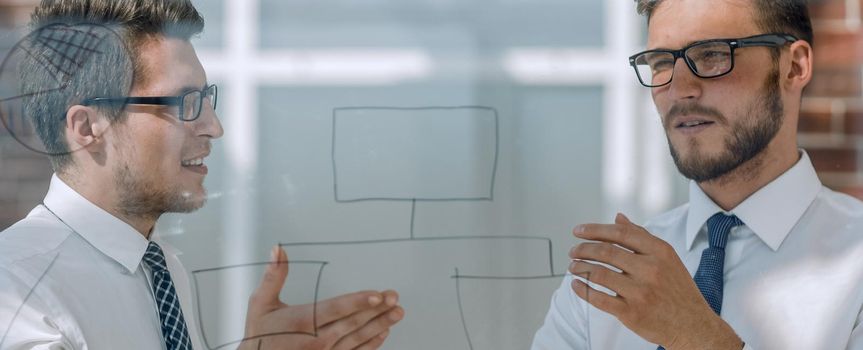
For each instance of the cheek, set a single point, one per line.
(738, 99)
(158, 154)
(745, 80)
(662, 102)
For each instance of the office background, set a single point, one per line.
(576, 140)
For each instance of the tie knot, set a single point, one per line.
(718, 227)
(154, 258)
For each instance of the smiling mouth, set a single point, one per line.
(193, 162)
(195, 165)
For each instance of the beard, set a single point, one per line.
(749, 136)
(142, 198)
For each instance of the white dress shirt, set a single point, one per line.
(76, 281)
(793, 273)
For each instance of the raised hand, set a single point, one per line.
(360, 320)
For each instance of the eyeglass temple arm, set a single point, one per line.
(772, 40)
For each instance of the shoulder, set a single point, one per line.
(27, 251)
(38, 234)
(838, 207)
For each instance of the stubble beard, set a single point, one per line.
(150, 199)
(749, 137)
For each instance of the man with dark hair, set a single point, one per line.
(123, 107)
(763, 256)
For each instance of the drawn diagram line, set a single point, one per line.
(474, 277)
(547, 240)
(489, 197)
(24, 302)
(421, 199)
(399, 240)
(461, 311)
(458, 277)
(314, 332)
(413, 215)
(57, 49)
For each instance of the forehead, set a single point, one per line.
(169, 66)
(676, 23)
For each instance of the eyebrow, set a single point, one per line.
(694, 42)
(684, 45)
(188, 88)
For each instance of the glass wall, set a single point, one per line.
(444, 149)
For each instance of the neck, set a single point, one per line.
(107, 198)
(731, 189)
(142, 223)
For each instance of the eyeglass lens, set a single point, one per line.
(193, 103)
(706, 60)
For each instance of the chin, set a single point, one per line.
(196, 201)
(186, 206)
(185, 201)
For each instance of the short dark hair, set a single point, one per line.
(122, 26)
(773, 16)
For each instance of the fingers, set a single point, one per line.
(605, 253)
(375, 342)
(615, 281)
(390, 300)
(610, 304)
(342, 306)
(391, 297)
(623, 232)
(274, 278)
(362, 329)
(622, 219)
(354, 321)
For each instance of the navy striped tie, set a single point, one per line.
(710, 273)
(173, 324)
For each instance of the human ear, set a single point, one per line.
(800, 72)
(85, 128)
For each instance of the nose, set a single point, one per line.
(208, 123)
(684, 84)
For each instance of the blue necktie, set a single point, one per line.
(709, 277)
(710, 273)
(173, 324)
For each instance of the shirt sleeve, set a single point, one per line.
(25, 322)
(565, 325)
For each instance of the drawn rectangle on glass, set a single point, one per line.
(480, 300)
(422, 153)
(222, 293)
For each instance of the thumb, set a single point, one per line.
(274, 277)
(621, 219)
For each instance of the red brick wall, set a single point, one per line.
(24, 175)
(831, 120)
(24, 178)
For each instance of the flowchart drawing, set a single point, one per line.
(471, 292)
(417, 153)
(421, 271)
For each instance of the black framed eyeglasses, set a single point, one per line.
(190, 102)
(706, 59)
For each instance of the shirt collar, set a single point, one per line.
(103, 231)
(789, 195)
